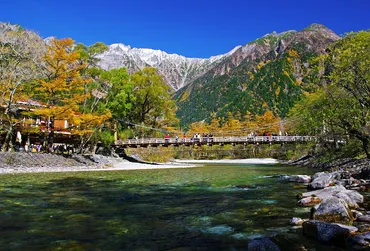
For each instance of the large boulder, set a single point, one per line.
(351, 197)
(321, 180)
(335, 234)
(324, 193)
(296, 178)
(333, 209)
(263, 244)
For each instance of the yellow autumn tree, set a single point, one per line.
(62, 89)
(198, 127)
(214, 126)
(267, 122)
(232, 126)
(249, 123)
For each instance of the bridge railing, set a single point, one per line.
(226, 139)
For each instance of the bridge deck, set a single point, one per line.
(145, 142)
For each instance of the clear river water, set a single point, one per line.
(211, 207)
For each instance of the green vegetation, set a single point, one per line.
(60, 82)
(272, 82)
(340, 103)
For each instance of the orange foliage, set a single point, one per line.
(268, 122)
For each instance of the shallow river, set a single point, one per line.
(213, 207)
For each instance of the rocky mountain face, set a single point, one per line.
(265, 74)
(178, 71)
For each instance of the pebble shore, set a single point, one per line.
(22, 162)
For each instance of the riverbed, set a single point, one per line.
(216, 206)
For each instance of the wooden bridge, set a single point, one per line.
(233, 140)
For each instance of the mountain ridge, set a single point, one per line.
(252, 78)
(179, 71)
(265, 74)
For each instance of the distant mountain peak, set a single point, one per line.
(177, 70)
(6, 26)
(316, 26)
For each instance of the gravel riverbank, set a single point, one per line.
(21, 162)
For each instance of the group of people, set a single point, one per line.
(63, 148)
(33, 148)
(204, 137)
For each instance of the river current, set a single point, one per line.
(211, 207)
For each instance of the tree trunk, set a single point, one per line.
(81, 145)
(365, 146)
(51, 135)
(8, 140)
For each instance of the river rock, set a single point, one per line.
(309, 201)
(329, 233)
(356, 213)
(363, 228)
(351, 197)
(333, 209)
(262, 244)
(321, 180)
(296, 221)
(362, 240)
(324, 193)
(296, 178)
(363, 218)
(288, 242)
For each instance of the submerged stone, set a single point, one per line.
(263, 244)
(296, 178)
(218, 230)
(296, 221)
(240, 236)
(269, 202)
(288, 242)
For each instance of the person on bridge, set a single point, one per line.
(167, 138)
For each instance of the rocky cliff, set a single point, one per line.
(178, 71)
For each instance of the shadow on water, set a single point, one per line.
(75, 213)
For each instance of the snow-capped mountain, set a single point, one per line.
(177, 70)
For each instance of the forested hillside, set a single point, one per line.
(265, 74)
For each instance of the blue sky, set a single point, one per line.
(193, 28)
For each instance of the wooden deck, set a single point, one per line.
(233, 140)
